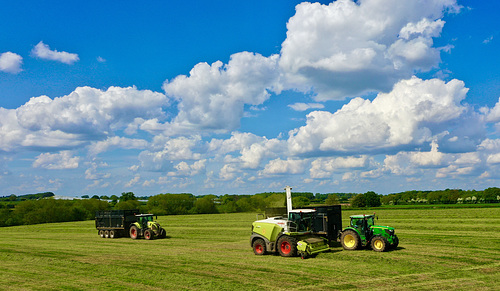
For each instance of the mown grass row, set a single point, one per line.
(439, 248)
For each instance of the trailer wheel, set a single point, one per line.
(379, 243)
(106, 233)
(134, 232)
(259, 247)
(101, 233)
(287, 246)
(349, 240)
(112, 234)
(148, 234)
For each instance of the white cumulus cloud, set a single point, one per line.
(348, 48)
(10, 62)
(58, 161)
(410, 114)
(43, 51)
(213, 96)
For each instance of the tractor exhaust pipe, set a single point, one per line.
(288, 200)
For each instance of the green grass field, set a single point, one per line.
(439, 248)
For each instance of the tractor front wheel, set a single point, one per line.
(148, 234)
(259, 247)
(287, 246)
(134, 232)
(379, 243)
(349, 240)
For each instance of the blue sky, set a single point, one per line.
(105, 97)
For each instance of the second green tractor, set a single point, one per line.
(363, 232)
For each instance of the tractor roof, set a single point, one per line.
(303, 210)
(361, 216)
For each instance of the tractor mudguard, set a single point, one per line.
(269, 245)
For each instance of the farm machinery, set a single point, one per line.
(302, 232)
(115, 223)
(363, 232)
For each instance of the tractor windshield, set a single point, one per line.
(370, 221)
(302, 220)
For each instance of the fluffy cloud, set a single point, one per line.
(349, 48)
(411, 114)
(90, 112)
(10, 63)
(289, 166)
(306, 106)
(252, 149)
(165, 150)
(324, 167)
(43, 51)
(213, 96)
(59, 161)
(116, 142)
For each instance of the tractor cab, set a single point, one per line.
(363, 224)
(145, 220)
(301, 220)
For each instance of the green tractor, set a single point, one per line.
(302, 232)
(147, 227)
(363, 232)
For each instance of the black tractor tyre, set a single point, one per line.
(134, 232)
(379, 243)
(149, 234)
(287, 246)
(350, 240)
(163, 233)
(259, 247)
(395, 243)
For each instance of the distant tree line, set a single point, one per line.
(43, 208)
(448, 196)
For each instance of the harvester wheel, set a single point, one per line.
(259, 247)
(148, 234)
(112, 234)
(106, 233)
(379, 243)
(101, 233)
(349, 240)
(134, 232)
(287, 246)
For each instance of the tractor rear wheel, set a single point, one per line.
(379, 243)
(287, 246)
(349, 240)
(259, 247)
(134, 232)
(395, 243)
(148, 234)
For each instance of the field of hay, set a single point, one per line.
(439, 248)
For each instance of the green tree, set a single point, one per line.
(372, 199)
(126, 196)
(205, 205)
(300, 201)
(171, 204)
(332, 200)
(358, 201)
